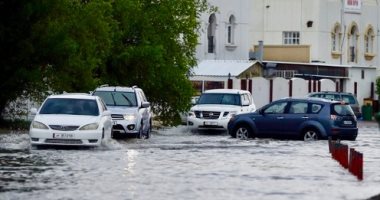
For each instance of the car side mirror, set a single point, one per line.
(145, 104)
(33, 111)
(193, 102)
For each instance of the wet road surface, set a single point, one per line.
(178, 164)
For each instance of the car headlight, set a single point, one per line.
(92, 126)
(191, 114)
(130, 117)
(39, 125)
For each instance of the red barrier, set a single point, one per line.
(351, 160)
(356, 164)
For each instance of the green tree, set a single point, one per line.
(154, 48)
(52, 45)
(74, 45)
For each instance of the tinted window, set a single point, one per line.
(342, 109)
(315, 108)
(228, 99)
(70, 106)
(349, 99)
(276, 108)
(118, 98)
(298, 108)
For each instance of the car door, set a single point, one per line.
(270, 122)
(295, 116)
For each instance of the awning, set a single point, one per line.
(234, 68)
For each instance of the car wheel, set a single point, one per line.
(243, 132)
(310, 135)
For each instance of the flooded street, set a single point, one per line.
(177, 164)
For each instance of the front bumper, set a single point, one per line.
(126, 127)
(66, 138)
(207, 124)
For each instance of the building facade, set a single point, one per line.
(309, 39)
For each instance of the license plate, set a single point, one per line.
(347, 122)
(211, 123)
(63, 135)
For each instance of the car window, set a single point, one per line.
(214, 98)
(315, 108)
(349, 99)
(112, 98)
(70, 106)
(342, 110)
(331, 97)
(276, 108)
(316, 95)
(298, 108)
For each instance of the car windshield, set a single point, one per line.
(342, 109)
(214, 98)
(116, 98)
(70, 106)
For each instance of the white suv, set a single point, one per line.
(215, 108)
(130, 110)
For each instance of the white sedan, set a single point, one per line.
(71, 119)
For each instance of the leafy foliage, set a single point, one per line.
(75, 45)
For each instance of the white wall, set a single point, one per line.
(260, 91)
(300, 87)
(243, 16)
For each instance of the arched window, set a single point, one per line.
(353, 35)
(231, 30)
(369, 40)
(211, 33)
(336, 38)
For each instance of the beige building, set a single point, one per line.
(309, 39)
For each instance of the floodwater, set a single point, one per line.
(178, 164)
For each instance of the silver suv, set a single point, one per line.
(130, 110)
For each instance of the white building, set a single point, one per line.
(310, 39)
(226, 34)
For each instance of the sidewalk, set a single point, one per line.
(367, 124)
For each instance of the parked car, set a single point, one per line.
(71, 119)
(215, 108)
(340, 96)
(130, 110)
(297, 118)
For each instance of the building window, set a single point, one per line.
(231, 30)
(291, 37)
(353, 36)
(211, 33)
(336, 38)
(369, 41)
(363, 75)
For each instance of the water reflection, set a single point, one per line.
(131, 162)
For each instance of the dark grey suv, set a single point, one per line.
(297, 118)
(340, 96)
